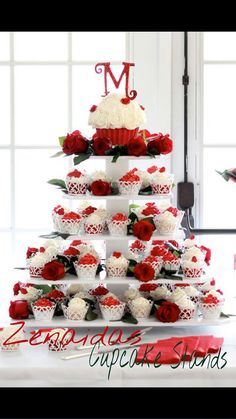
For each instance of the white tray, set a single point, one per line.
(107, 236)
(89, 197)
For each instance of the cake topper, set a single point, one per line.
(125, 72)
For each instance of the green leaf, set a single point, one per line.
(133, 217)
(81, 157)
(90, 315)
(115, 157)
(59, 153)
(128, 318)
(176, 253)
(224, 315)
(57, 182)
(224, 174)
(44, 288)
(114, 188)
(61, 140)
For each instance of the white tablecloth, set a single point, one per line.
(38, 367)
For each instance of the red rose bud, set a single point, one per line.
(125, 100)
(75, 173)
(168, 312)
(220, 292)
(116, 254)
(147, 287)
(53, 271)
(42, 249)
(152, 169)
(143, 230)
(23, 291)
(59, 210)
(93, 108)
(19, 310)
(31, 251)
(192, 237)
(71, 251)
(100, 188)
(194, 259)
(162, 169)
(144, 272)
(100, 290)
(75, 143)
(161, 145)
(101, 145)
(137, 147)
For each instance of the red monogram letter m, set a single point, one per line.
(107, 70)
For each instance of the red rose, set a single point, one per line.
(16, 288)
(101, 145)
(143, 230)
(207, 252)
(75, 143)
(53, 270)
(162, 144)
(19, 310)
(144, 272)
(168, 312)
(148, 287)
(100, 188)
(31, 251)
(71, 251)
(137, 147)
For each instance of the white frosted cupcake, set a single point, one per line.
(76, 310)
(161, 292)
(111, 308)
(155, 262)
(161, 182)
(76, 183)
(168, 221)
(36, 265)
(193, 251)
(93, 224)
(186, 306)
(117, 265)
(192, 293)
(29, 293)
(207, 286)
(192, 268)
(190, 242)
(104, 216)
(216, 294)
(131, 294)
(86, 267)
(70, 223)
(6, 333)
(118, 225)
(117, 118)
(140, 307)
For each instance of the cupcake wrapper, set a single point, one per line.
(43, 313)
(156, 266)
(140, 312)
(93, 228)
(56, 346)
(192, 272)
(210, 311)
(76, 188)
(69, 226)
(35, 272)
(111, 313)
(161, 189)
(116, 272)
(129, 188)
(75, 313)
(10, 348)
(195, 299)
(118, 228)
(186, 314)
(118, 136)
(172, 266)
(86, 271)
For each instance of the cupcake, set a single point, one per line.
(160, 293)
(148, 210)
(104, 216)
(140, 307)
(207, 286)
(29, 293)
(117, 265)
(217, 294)
(118, 225)
(144, 176)
(193, 251)
(190, 242)
(58, 341)
(146, 288)
(43, 309)
(192, 268)
(57, 214)
(36, 265)
(168, 221)
(70, 223)
(171, 263)
(76, 310)
(86, 210)
(131, 294)
(93, 224)
(155, 262)
(56, 296)
(129, 184)
(7, 332)
(161, 181)
(86, 267)
(117, 118)
(111, 308)
(99, 292)
(210, 307)
(192, 293)
(138, 248)
(186, 306)
(76, 183)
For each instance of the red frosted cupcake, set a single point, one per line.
(118, 225)
(86, 267)
(129, 184)
(76, 183)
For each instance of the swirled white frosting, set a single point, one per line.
(191, 291)
(160, 293)
(84, 294)
(215, 294)
(112, 113)
(93, 219)
(51, 252)
(188, 263)
(140, 302)
(82, 180)
(114, 262)
(132, 255)
(180, 298)
(87, 248)
(145, 178)
(193, 251)
(77, 303)
(131, 294)
(102, 213)
(38, 261)
(164, 204)
(162, 178)
(8, 331)
(99, 175)
(75, 288)
(189, 243)
(207, 287)
(83, 205)
(53, 242)
(32, 294)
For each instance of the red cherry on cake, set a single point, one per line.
(162, 169)
(110, 301)
(194, 259)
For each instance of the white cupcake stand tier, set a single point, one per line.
(114, 204)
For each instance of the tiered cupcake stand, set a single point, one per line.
(114, 204)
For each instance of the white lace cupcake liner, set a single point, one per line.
(118, 228)
(69, 226)
(172, 266)
(140, 312)
(43, 313)
(76, 188)
(13, 347)
(195, 299)
(35, 272)
(186, 314)
(111, 313)
(86, 271)
(75, 313)
(210, 311)
(192, 272)
(161, 189)
(93, 228)
(113, 271)
(139, 253)
(129, 188)
(156, 266)
(56, 221)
